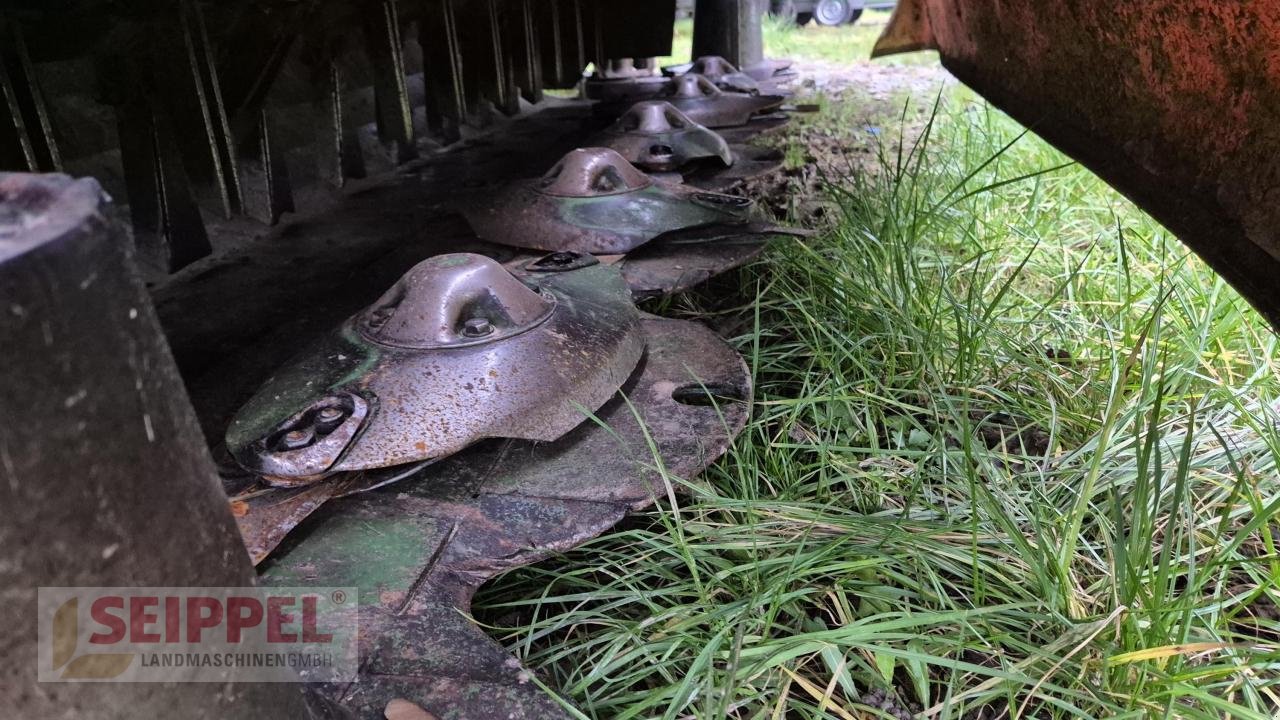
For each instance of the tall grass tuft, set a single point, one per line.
(1013, 454)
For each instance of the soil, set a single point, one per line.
(862, 111)
(876, 80)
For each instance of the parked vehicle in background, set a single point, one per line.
(825, 12)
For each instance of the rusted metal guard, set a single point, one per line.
(418, 550)
(1176, 103)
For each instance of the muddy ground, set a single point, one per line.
(859, 113)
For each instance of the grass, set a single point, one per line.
(811, 42)
(1013, 454)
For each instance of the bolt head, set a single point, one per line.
(477, 327)
(297, 438)
(327, 419)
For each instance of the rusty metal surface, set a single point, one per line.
(660, 269)
(750, 162)
(594, 201)
(719, 71)
(655, 136)
(706, 104)
(303, 446)
(418, 550)
(267, 512)
(432, 383)
(591, 173)
(1176, 103)
(454, 300)
(681, 261)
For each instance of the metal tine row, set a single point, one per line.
(201, 116)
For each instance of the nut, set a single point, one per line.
(329, 418)
(477, 327)
(297, 438)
